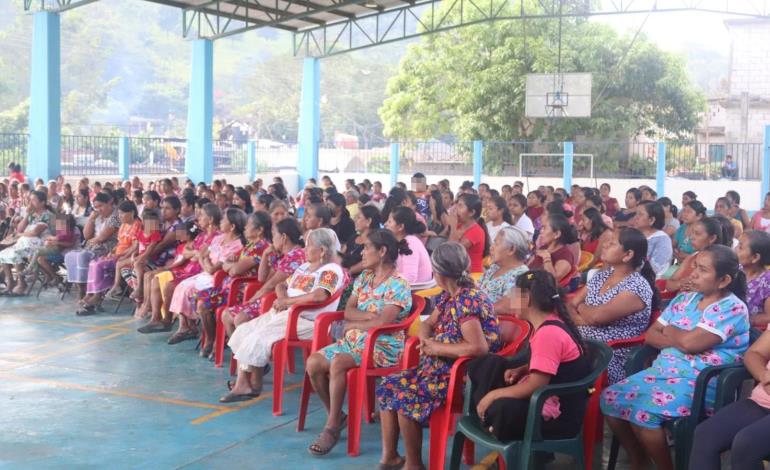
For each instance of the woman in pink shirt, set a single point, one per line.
(413, 260)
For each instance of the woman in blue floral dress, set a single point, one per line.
(509, 253)
(462, 324)
(380, 296)
(706, 327)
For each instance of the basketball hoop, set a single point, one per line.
(556, 104)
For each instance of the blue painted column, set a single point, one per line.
(765, 167)
(395, 161)
(251, 162)
(199, 159)
(567, 169)
(124, 157)
(44, 151)
(309, 121)
(478, 161)
(660, 174)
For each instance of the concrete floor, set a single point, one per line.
(90, 392)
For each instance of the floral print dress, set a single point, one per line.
(373, 298)
(497, 287)
(416, 392)
(216, 296)
(665, 390)
(287, 263)
(757, 291)
(627, 327)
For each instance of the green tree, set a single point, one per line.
(470, 83)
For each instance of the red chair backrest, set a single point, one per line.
(514, 332)
(564, 282)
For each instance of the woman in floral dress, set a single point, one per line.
(706, 327)
(462, 324)
(380, 296)
(509, 253)
(283, 257)
(33, 229)
(618, 301)
(258, 231)
(754, 256)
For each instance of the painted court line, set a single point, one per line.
(22, 352)
(108, 391)
(60, 323)
(59, 352)
(245, 404)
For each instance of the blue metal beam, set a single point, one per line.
(199, 158)
(309, 121)
(55, 5)
(44, 151)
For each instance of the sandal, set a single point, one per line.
(154, 328)
(392, 466)
(206, 351)
(183, 336)
(236, 397)
(325, 442)
(86, 311)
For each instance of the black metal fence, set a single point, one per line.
(156, 155)
(701, 161)
(13, 149)
(230, 156)
(89, 155)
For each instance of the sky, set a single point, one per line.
(675, 31)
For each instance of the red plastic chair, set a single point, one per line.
(250, 285)
(283, 350)
(442, 421)
(361, 379)
(219, 279)
(593, 424)
(665, 295)
(322, 338)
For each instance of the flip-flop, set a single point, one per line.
(86, 311)
(236, 397)
(325, 442)
(392, 466)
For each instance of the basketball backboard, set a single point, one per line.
(552, 95)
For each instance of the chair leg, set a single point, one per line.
(368, 398)
(614, 450)
(469, 452)
(591, 426)
(457, 451)
(122, 297)
(354, 413)
(279, 366)
(439, 433)
(219, 339)
(290, 359)
(304, 398)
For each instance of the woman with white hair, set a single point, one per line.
(509, 253)
(313, 282)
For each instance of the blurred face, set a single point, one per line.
(362, 223)
(699, 237)
(225, 225)
(743, 250)
(125, 217)
(533, 200)
(313, 253)
(14, 192)
(586, 223)
(371, 256)
(377, 188)
(704, 277)
(642, 220)
(689, 216)
(418, 185)
(447, 201)
(547, 235)
(604, 191)
(279, 240)
(165, 187)
(168, 211)
(578, 197)
(61, 225)
(237, 201)
(151, 225)
(685, 200)
(278, 214)
(103, 209)
(182, 235)
(462, 212)
(253, 233)
(721, 208)
(515, 208)
(499, 252)
(204, 220)
(310, 220)
(149, 203)
(493, 212)
(394, 227)
(630, 201)
(613, 252)
(647, 195)
(520, 303)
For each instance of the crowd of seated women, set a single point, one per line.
(177, 251)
